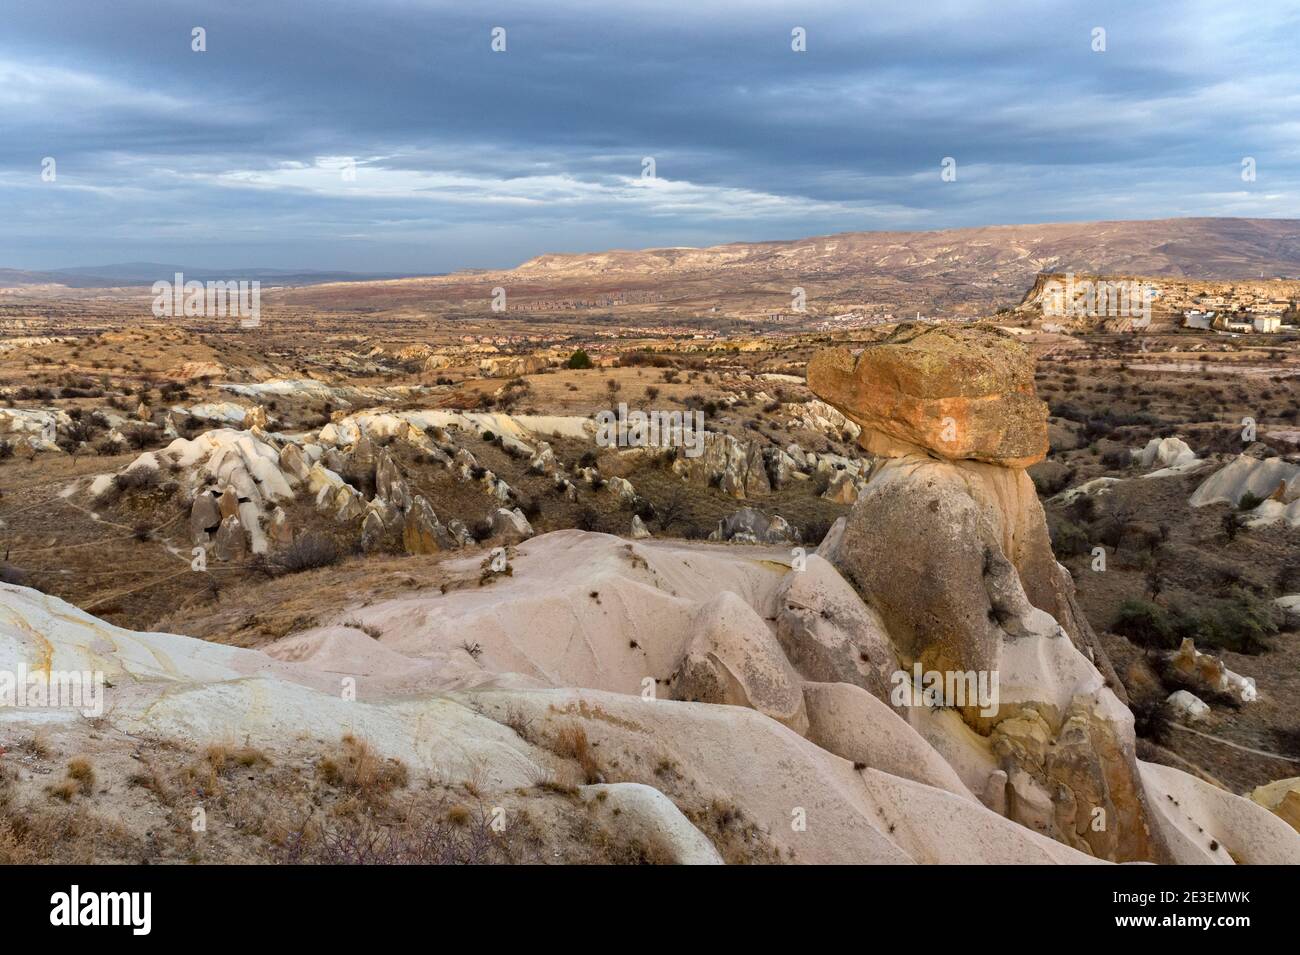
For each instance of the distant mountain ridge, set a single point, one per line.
(1214, 248)
(146, 273)
(955, 271)
(967, 271)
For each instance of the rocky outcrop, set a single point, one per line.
(357, 465)
(828, 633)
(510, 524)
(1207, 674)
(842, 489)
(228, 503)
(579, 643)
(390, 486)
(230, 543)
(239, 474)
(254, 418)
(511, 366)
(781, 467)
(36, 429)
(372, 532)
(544, 461)
(205, 517)
(1273, 481)
(293, 462)
(735, 466)
(278, 529)
(422, 532)
(957, 393)
(1167, 455)
(951, 549)
(734, 659)
(622, 489)
(751, 526)
(1282, 798)
(1187, 707)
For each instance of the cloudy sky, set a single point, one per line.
(387, 135)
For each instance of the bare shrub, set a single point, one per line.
(137, 479)
(307, 552)
(458, 836)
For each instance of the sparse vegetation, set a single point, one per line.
(308, 551)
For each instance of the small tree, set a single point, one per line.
(579, 359)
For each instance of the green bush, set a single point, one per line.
(1069, 539)
(1249, 502)
(1146, 624)
(1240, 622)
(579, 359)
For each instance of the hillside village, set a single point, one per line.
(1121, 303)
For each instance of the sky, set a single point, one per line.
(389, 135)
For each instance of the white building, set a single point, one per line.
(1268, 323)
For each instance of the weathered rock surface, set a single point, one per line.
(828, 633)
(389, 483)
(842, 489)
(422, 532)
(1282, 798)
(622, 489)
(293, 462)
(958, 393)
(230, 543)
(734, 465)
(278, 529)
(510, 524)
(372, 532)
(1274, 481)
(511, 366)
(241, 468)
(936, 546)
(955, 557)
(649, 817)
(751, 526)
(1169, 455)
(852, 723)
(566, 645)
(1187, 707)
(734, 659)
(205, 517)
(255, 418)
(1249, 474)
(1207, 673)
(34, 428)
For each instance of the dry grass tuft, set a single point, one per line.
(571, 743)
(358, 769)
(81, 779)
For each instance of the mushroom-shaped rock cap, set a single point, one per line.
(959, 393)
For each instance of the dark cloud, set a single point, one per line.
(465, 157)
